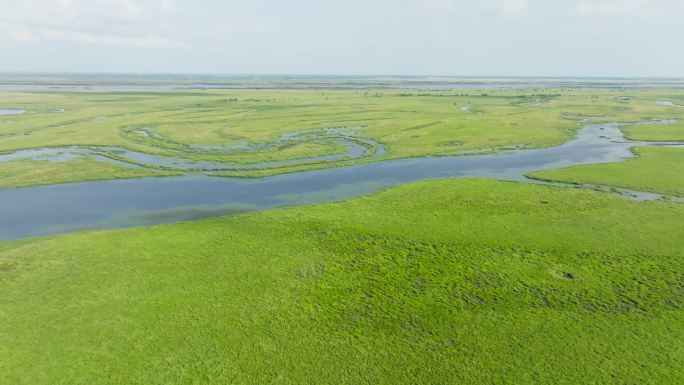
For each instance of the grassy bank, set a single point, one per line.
(30, 173)
(655, 169)
(665, 132)
(454, 281)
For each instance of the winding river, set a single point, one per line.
(667, 103)
(11, 111)
(355, 148)
(44, 210)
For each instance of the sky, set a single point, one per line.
(587, 38)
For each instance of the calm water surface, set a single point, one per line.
(11, 111)
(61, 208)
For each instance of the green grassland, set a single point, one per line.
(30, 173)
(665, 132)
(659, 170)
(655, 169)
(452, 281)
(407, 122)
(440, 282)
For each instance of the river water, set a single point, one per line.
(11, 111)
(44, 210)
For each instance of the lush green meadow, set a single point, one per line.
(665, 132)
(659, 170)
(454, 281)
(32, 172)
(407, 123)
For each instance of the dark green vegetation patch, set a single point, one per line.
(467, 281)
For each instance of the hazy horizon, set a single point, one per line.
(335, 75)
(441, 38)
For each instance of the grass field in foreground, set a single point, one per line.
(452, 281)
(659, 170)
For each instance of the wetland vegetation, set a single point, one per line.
(440, 281)
(262, 132)
(655, 169)
(451, 281)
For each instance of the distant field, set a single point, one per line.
(437, 282)
(250, 124)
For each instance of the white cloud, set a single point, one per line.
(106, 22)
(168, 5)
(129, 9)
(507, 9)
(242, 29)
(612, 7)
(513, 8)
(24, 34)
(353, 36)
(437, 8)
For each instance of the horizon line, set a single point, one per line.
(334, 75)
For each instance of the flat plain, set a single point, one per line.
(464, 281)
(246, 127)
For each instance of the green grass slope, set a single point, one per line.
(656, 169)
(441, 282)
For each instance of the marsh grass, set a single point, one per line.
(407, 123)
(655, 169)
(453, 281)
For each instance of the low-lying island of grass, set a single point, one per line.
(658, 170)
(21, 173)
(451, 281)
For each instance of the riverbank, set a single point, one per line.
(54, 209)
(554, 282)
